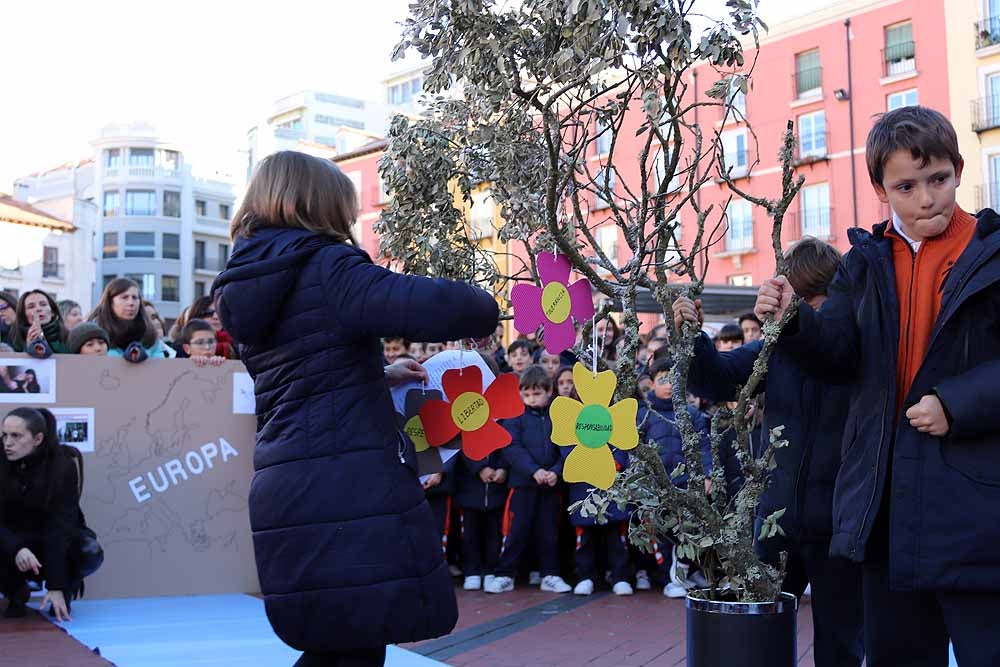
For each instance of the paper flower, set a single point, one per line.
(591, 425)
(429, 460)
(471, 412)
(552, 304)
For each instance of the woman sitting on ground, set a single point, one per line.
(39, 328)
(120, 313)
(42, 530)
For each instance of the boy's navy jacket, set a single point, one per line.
(655, 419)
(473, 493)
(580, 490)
(448, 478)
(531, 447)
(347, 552)
(945, 491)
(813, 415)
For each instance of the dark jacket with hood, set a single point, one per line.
(813, 414)
(471, 492)
(347, 553)
(531, 448)
(943, 493)
(656, 422)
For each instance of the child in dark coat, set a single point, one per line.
(533, 502)
(657, 423)
(613, 534)
(480, 492)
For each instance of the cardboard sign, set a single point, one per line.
(167, 468)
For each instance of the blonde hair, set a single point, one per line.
(292, 189)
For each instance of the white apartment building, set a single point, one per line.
(316, 122)
(41, 250)
(403, 91)
(155, 222)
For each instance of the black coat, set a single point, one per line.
(29, 511)
(813, 414)
(655, 419)
(945, 492)
(473, 493)
(531, 448)
(347, 552)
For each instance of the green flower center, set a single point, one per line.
(593, 426)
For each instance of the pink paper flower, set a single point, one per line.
(554, 305)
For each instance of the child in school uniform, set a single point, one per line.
(534, 502)
(480, 493)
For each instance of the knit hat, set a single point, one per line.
(83, 332)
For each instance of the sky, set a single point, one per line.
(203, 73)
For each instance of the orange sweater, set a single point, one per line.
(920, 281)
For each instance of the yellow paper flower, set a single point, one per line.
(591, 424)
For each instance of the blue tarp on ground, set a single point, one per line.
(229, 630)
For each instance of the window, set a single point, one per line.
(147, 284)
(140, 157)
(170, 289)
(110, 245)
(416, 85)
(604, 130)
(992, 188)
(339, 100)
(906, 98)
(171, 246)
(992, 116)
(224, 211)
(481, 214)
(988, 30)
(742, 280)
(171, 204)
(140, 244)
(170, 161)
(50, 262)
(607, 239)
(113, 158)
(199, 207)
(140, 202)
(739, 233)
(345, 122)
(199, 254)
(601, 190)
(815, 207)
(734, 151)
(112, 203)
(383, 191)
(223, 255)
(107, 278)
(808, 74)
(737, 101)
(199, 289)
(900, 54)
(291, 124)
(812, 135)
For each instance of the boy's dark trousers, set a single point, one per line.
(587, 538)
(531, 513)
(480, 541)
(837, 606)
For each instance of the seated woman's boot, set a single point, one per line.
(17, 602)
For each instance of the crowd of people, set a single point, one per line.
(121, 325)
(510, 512)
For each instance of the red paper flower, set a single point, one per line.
(472, 412)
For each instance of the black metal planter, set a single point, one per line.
(741, 634)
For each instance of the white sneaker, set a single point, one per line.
(473, 583)
(585, 587)
(534, 578)
(674, 591)
(455, 570)
(642, 581)
(488, 580)
(679, 572)
(808, 591)
(622, 588)
(499, 585)
(554, 584)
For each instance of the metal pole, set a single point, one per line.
(850, 120)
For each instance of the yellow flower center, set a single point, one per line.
(470, 411)
(556, 302)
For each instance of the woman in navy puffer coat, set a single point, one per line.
(346, 549)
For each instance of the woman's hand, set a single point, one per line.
(432, 480)
(25, 560)
(58, 605)
(35, 330)
(404, 370)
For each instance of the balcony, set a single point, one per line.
(986, 113)
(987, 32)
(811, 148)
(211, 265)
(737, 164)
(899, 59)
(810, 222)
(293, 134)
(140, 171)
(807, 83)
(53, 271)
(988, 196)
